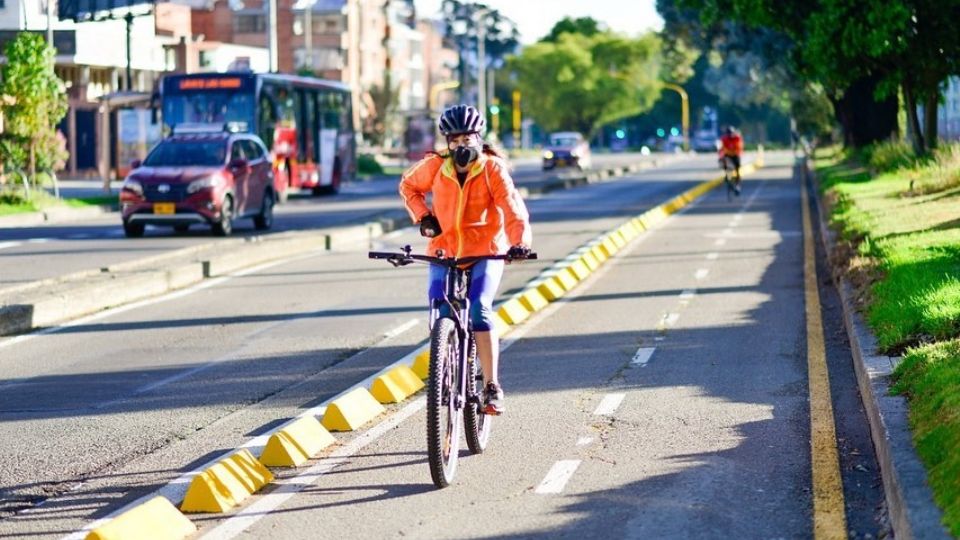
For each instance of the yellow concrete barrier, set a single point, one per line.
(352, 410)
(609, 246)
(396, 385)
(589, 260)
(156, 519)
(599, 253)
(500, 326)
(566, 278)
(513, 311)
(618, 239)
(579, 269)
(226, 484)
(296, 443)
(421, 364)
(533, 300)
(551, 288)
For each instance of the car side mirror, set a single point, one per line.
(135, 164)
(239, 164)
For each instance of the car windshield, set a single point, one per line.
(563, 141)
(187, 153)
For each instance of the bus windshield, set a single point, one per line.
(208, 107)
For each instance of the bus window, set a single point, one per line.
(331, 109)
(268, 119)
(308, 134)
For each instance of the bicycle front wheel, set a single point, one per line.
(443, 395)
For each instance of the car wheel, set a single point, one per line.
(133, 230)
(181, 228)
(264, 220)
(225, 226)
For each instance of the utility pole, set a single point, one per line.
(272, 39)
(308, 34)
(129, 20)
(517, 141)
(482, 61)
(50, 23)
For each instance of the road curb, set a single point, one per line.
(913, 513)
(157, 515)
(53, 215)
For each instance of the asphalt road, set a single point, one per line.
(707, 435)
(34, 253)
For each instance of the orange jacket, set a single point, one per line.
(484, 217)
(731, 145)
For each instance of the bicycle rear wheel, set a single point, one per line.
(443, 416)
(476, 425)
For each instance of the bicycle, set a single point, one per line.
(733, 188)
(453, 365)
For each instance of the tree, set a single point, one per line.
(583, 82)
(587, 26)
(462, 24)
(39, 104)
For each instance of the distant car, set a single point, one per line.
(567, 148)
(704, 141)
(200, 176)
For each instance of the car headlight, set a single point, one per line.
(133, 186)
(574, 153)
(548, 155)
(204, 183)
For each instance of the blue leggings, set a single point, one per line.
(484, 282)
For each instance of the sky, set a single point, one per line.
(535, 18)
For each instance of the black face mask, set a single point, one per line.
(463, 155)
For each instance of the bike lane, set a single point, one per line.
(666, 397)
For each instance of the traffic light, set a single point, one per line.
(494, 109)
(621, 133)
(661, 132)
(674, 131)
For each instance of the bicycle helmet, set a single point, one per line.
(729, 130)
(461, 119)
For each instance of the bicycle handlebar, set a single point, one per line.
(406, 257)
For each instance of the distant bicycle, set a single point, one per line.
(733, 184)
(455, 382)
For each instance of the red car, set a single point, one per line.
(205, 177)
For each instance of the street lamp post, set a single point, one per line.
(685, 112)
(482, 61)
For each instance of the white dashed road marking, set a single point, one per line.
(643, 356)
(701, 273)
(608, 405)
(558, 476)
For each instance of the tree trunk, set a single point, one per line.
(867, 119)
(930, 118)
(33, 162)
(913, 121)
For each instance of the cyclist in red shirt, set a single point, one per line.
(731, 148)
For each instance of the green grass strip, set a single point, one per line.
(930, 378)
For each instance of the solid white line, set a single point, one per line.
(608, 405)
(701, 273)
(712, 256)
(5, 245)
(39, 240)
(583, 441)
(558, 476)
(720, 241)
(401, 329)
(643, 356)
(289, 487)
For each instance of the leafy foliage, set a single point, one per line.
(583, 82)
(31, 140)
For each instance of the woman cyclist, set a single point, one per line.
(475, 211)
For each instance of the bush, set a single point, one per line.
(889, 156)
(367, 164)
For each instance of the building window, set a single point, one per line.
(249, 23)
(206, 59)
(298, 25)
